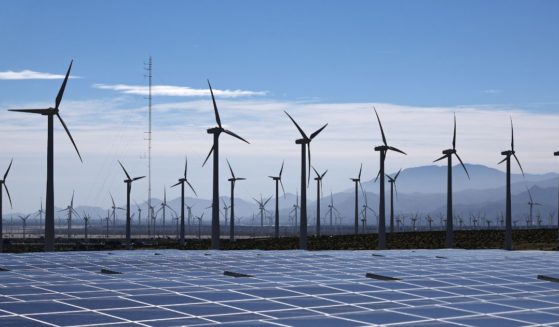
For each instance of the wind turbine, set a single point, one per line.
(216, 131)
(305, 142)
(392, 181)
(262, 207)
(332, 209)
(508, 220)
(24, 223)
(3, 183)
(114, 207)
(181, 182)
(232, 180)
(40, 214)
(295, 208)
(50, 113)
(357, 182)
(365, 207)
(70, 210)
(318, 180)
(162, 209)
(449, 217)
(277, 180)
(128, 181)
(383, 149)
(107, 219)
(139, 213)
(531, 203)
(86, 223)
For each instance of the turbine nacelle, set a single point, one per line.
(449, 151)
(507, 153)
(214, 130)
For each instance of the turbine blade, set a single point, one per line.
(529, 194)
(381, 130)
(33, 111)
(500, 162)
(185, 165)
(120, 163)
(281, 169)
(316, 172)
(313, 135)
(360, 170)
(69, 135)
(240, 179)
(217, 119)
(176, 184)
(378, 175)
(441, 158)
(297, 125)
(113, 200)
(282, 189)
(72, 200)
(209, 154)
(7, 192)
(511, 135)
(230, 169)
(322, 176)
(235, 135)
(192, 188)
(397, 174)
(518, 162)
(396, 149)
(454, 135)
(266, 202)
(461, 163)
(309, 170)
(136, 178)
(8, 170)
(63, 87)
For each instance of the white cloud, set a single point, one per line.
(29, 74)
(175, 91)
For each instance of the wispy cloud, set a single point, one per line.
(29, 74)
(176, 91)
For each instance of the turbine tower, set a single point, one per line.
(114, 207)
(318, 180)
(305, 142)
(71, 211)
(232, 180)
(3, 183)
(277, 180)
(383, 149)
(50, 113)
(216, 131)
(181, 182)
(449, 211)
(508, 220)
(357, 181)
(392, 181)
(128, 181)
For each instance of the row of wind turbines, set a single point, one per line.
(304, 141)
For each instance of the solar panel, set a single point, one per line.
(286, 288)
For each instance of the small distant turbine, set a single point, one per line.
(233, 181)
(449, 210)
(277, 180)
(262, 207)
(181, 182)
(128, 181)
(508, 220)
(3, 183)
(50, 113)
(318, 180)
(531, 203)
(383, 149)
(305, 142)
(216, 131)
(392, 181)
(357, 182)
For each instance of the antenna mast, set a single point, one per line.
(149, 141)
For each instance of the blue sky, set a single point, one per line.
(319, 59)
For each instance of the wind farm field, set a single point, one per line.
(525, 239)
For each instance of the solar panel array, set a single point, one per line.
(286, 288)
